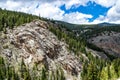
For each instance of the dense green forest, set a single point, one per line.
(11, 19)
(8, 72)
(93, 68)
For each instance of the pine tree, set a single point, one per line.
(24, 71)
(113, 74)
(92, 72)
(104, 74)
(43, 74)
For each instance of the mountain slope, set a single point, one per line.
(35, 44)
(108, 41)
(53, 50)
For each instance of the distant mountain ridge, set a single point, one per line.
(107, 24)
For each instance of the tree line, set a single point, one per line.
(9, 72)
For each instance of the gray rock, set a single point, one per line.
(34, 43)
(7, 52)
(108, 41)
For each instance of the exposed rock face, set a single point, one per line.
(98, 54)
(109, 42)
(36, 44)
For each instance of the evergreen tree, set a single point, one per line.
(92, 72)
(104, 74)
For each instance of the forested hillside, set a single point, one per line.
(75, 36)
(93, 67)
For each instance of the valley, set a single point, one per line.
(36, 48)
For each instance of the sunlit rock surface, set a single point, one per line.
(34, 43)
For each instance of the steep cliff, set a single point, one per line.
(35, 44)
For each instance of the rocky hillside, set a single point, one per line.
(35, 44)
(108, 41)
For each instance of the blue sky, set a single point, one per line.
(92, 8)
(72, 11)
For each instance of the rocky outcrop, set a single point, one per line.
(34, 43)
(98, 54)
(109, 42)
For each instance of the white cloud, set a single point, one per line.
(77, 18)
(112, 16)
(100, 19)
(54, 12)
(16, 4)
(75, 3)
(114, 13)
(51, 9)
(9, 5)
(105, 3)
